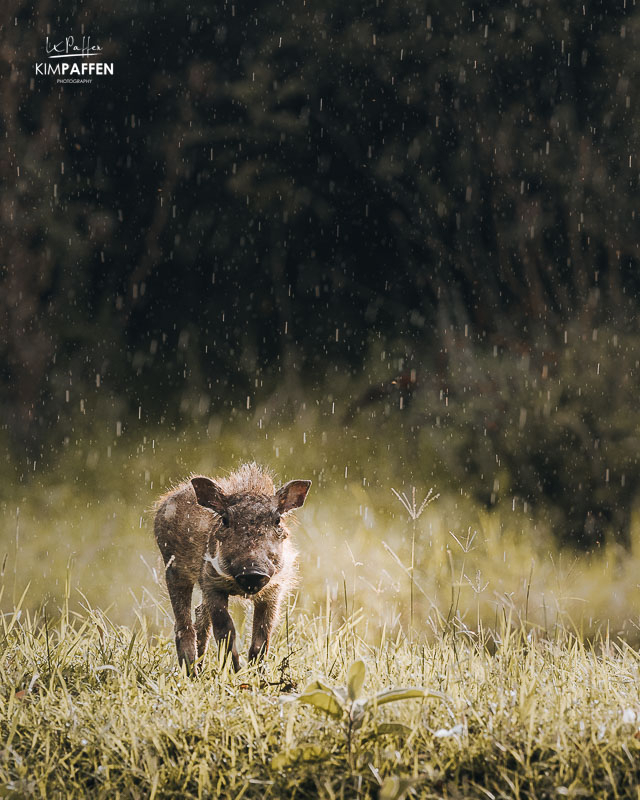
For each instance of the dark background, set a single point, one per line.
(262, 198)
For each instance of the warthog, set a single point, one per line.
(229, 535)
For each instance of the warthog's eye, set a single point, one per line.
(224, 518)
(281, 532)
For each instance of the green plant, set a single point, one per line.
(344, 704)
(415, 512)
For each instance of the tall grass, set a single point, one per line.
(358, 541)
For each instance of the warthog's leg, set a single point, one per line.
(223, 629)
(265, 614)
(203, 628)
(180, 592)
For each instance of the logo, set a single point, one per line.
(72, 61)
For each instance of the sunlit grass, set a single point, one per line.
(531, 647)
(359, 541)
(90, 708)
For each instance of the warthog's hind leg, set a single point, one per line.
(203, 628)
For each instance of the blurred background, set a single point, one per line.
(385, 247)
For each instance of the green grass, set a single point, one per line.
(531, 647)
(90, 708)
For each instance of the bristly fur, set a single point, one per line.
(250, 478)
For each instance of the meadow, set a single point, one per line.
(521, 655)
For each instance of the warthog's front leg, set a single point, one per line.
(180, 591)
(223, 629)
(265, 615)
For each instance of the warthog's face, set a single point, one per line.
(250, 532)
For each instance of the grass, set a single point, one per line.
(90, 708)
(532, 648)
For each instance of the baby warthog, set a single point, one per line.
(229, 535)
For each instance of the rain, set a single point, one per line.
(389, 250)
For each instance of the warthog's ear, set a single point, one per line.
(209, 494)
(292, 495)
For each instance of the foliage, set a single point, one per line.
(479, 161)
(552, 426)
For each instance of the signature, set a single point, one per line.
(67, 48)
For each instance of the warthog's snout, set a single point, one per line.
(252, 582)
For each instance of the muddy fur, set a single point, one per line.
(221, 533)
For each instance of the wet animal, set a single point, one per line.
(230, 536)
